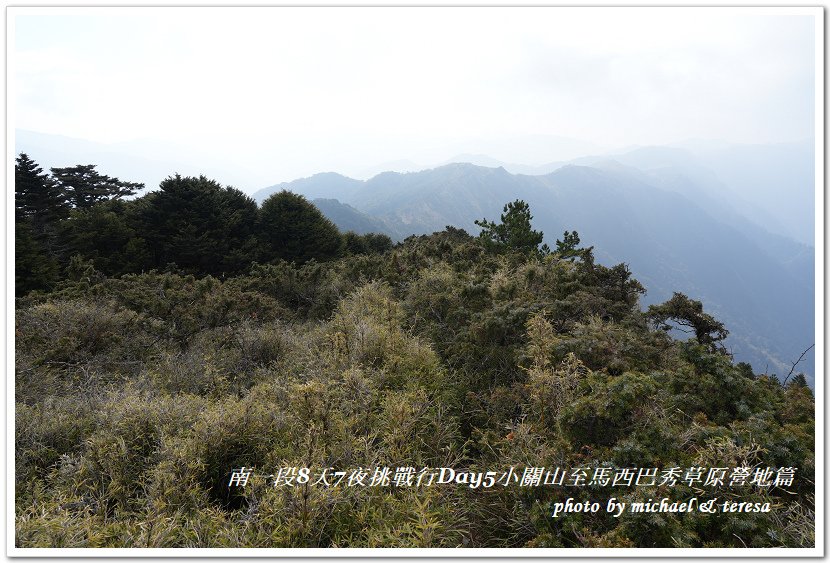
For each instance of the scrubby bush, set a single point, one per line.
(137, 397)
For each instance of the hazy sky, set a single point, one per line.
(284, 92)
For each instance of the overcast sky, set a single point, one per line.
(278, 93)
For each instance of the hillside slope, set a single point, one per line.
(759, 283)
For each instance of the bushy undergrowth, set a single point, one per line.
(137, 396)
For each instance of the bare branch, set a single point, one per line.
(798, 361)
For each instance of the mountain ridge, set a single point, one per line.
(671, 242)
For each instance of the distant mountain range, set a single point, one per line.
(347, 218)
(730, 225)
(772, 185)
(673, 224)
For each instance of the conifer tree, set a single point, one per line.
(34, 267)
(291, 228)
(84, 186)
(37, 196)
(514, 232)
(198, 225)
(39, 208)
(689, 313)
(106, 235)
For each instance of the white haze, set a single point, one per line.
(263, 95)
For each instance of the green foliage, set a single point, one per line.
(107, 235)
(609, 411)
(83, 186)
(689, 313)
(39, 207)
(293, 229)
(137, 394)
(514, 232)
(36, 195)
(568, 247)
(66, 344)
(308, 290)
(189, 225)
(200, 226)
(35, 268)
(366, 244)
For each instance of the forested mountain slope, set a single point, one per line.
(187, 361)
(761, 284)
(140, 396)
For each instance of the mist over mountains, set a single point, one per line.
(672, 219)
(771, 186)
(730, 225)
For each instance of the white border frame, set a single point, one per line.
(11, 551)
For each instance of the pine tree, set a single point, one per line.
(689, 313)
(37, 196)
(84, 186)
(514, 232)
(39, 208)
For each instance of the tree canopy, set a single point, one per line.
(141, 386)
(199, 225)
(688, 313)
(293, 229)
(138, 395)
(36, 194)
(83, 186)
(515, 231)
(39, 208)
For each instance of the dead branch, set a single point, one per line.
(798, 361)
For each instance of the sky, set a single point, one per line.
(272, 94)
